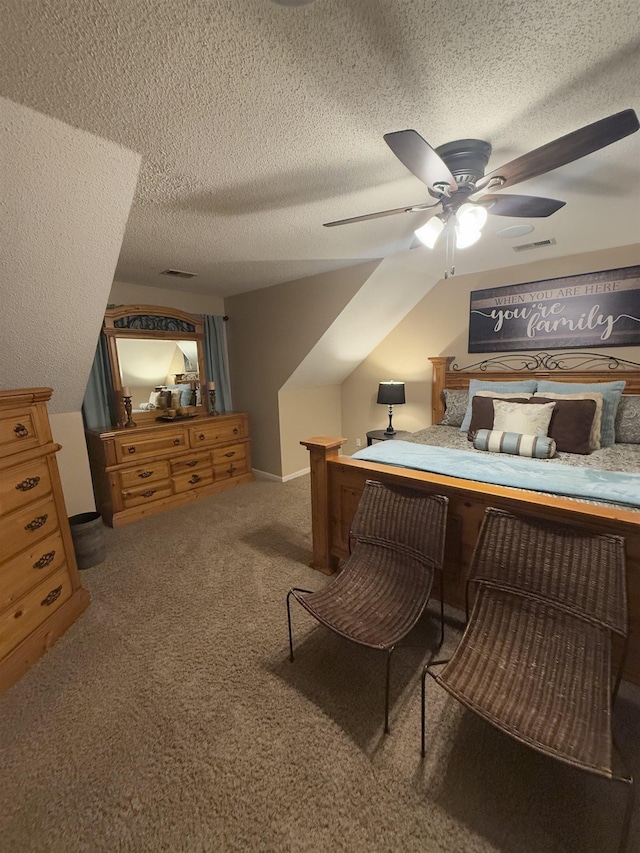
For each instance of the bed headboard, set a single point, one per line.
(561, 367)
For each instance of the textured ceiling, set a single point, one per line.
(258, 122)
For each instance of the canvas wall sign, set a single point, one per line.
(600, 309)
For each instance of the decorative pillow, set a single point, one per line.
(611, 393)
(628, 420)
(181, 395)
(455, 405)
(594, 436)
(498, 441)
(528, 386)
(521, 417)
(482, 410)
(571, 423)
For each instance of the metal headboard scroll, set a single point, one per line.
(153, 323)
(550, 361)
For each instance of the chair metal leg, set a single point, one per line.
(289, 622)
(626, 823)
(426, 671)
(289, 594)
(386, 694)
(423, 712)
(441, 610)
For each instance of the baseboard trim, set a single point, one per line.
(296, 474)
(265, 475)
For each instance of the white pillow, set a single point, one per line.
(522, 418)
(594, 437)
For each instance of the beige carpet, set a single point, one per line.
(169, 718)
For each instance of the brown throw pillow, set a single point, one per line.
(482, 412)
(571, 422)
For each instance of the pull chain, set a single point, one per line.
(450, 249)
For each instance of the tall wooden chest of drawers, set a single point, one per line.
(143, 470)
(40, 591)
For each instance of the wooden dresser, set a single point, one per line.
(146, 469)
(40, 591)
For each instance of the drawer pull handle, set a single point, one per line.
(191, 463)
(36, 523)
(21, 431)
(230, 454)
(236, 430)
(195, 478)
(28, 484)
(201, 436)
(53, 595)
(230, 470)
(148, 493)
(176, 441)
(144, 474)
(131, 448)
(45, 560)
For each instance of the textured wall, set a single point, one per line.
(439, 325)
(65, 201)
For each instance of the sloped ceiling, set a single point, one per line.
(64, 204)
(257, 123)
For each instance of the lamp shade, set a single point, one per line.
(391, 393)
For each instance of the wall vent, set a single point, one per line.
(179, 273)
(538, 244)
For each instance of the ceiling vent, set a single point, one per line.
(538, 244)
(179, 273)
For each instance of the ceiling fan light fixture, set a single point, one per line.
(471, 217)
(466, 237)
(429, 233)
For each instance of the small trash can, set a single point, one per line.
(87, 532)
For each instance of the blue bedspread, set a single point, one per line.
(516, 471)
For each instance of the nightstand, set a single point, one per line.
(381, 435)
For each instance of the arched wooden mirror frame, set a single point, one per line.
(157, 323)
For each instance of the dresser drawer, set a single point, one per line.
(24, 616)
(30, 524)
(30, 568)
(198, 462)
(229, 461)
(18, 431)
(216, 431)
(193, 479)
(143, 474)
(23, 484)
(146, 494)
(129, 448)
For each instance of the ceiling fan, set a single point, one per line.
(455, 178)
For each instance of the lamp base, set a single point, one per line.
(390, 430)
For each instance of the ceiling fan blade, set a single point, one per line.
(561, 151)
(520, 205)
(412, 209)
(420, 158)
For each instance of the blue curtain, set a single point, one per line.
(98, 407)
(216, 361)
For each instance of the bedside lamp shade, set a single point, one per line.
(391, 394)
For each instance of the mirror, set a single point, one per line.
(152, 350)
(147, 365)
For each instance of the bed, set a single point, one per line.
(337, 481)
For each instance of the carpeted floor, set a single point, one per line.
(169, 718)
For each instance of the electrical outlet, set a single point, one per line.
(358, 442)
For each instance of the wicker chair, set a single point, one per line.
(536, 657)
(397, 546)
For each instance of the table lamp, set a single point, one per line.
(391, 394)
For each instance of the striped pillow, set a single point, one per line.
(516, 443)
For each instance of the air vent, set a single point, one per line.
(179, 273)
(538, 244)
